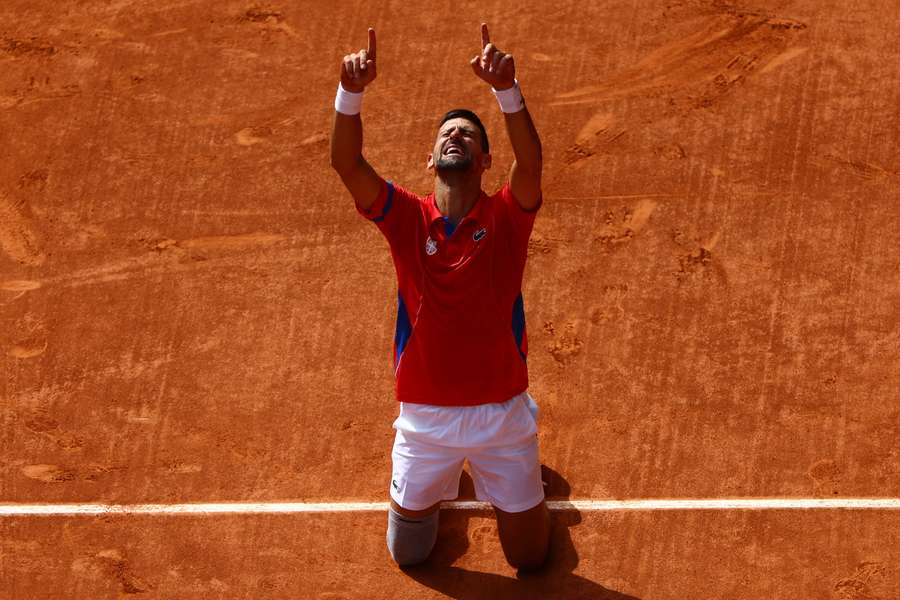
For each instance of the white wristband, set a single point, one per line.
(347, 103)
(510, 99)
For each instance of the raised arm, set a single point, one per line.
(499, 70)
(360, 179)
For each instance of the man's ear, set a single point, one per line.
(485, 161)
(429, 164)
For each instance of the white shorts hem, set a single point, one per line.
(416, 505)
(517, 507)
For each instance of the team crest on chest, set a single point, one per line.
(478, 235)
(430, 246)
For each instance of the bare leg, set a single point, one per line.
(525, 536)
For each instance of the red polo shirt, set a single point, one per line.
(460, 337)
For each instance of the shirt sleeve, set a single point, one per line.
(394, 212)
(521, 220)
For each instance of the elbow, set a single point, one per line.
(335, 159)
(340, 165)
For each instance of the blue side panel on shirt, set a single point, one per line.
(518, 323)
(404, 330)
(387, 204)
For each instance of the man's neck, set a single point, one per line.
(455, 194)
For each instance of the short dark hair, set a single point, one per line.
(468, 115)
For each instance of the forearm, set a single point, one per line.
(360, 179)
(498, 69)
(346, 141)
(525, 141)
(357, 71)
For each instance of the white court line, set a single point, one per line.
(24, 510)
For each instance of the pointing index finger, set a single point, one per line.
(485, 36)
(371, 49)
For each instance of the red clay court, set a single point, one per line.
(192, 312)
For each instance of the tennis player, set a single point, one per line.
(460, 345)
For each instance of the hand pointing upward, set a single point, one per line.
(358, 69)
(492, 65)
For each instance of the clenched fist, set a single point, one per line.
(358, 69)
(493, 66)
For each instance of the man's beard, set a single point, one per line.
(453, 163)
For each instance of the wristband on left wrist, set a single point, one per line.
(510, 99)
(347, 103)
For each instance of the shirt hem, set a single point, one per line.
(436, 402)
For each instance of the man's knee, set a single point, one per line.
(527, 556)
(409, 540)
(525, 537)
(528, 561)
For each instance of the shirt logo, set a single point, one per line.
(430, 246)
(394, 483)
(479, 234)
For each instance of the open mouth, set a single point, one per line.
(453, 150)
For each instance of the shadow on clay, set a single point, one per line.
(555, 580)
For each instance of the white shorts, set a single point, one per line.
(499, 440)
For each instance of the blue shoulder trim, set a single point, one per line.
(387, 203)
